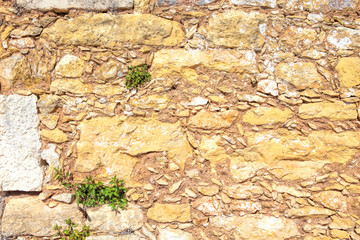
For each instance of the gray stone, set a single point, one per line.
(168, 233)
(66, 5)
(50, 156)
(105, 219)
(31, 216)
(64, 197)
(19, 144)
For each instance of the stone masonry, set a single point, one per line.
(249, 128)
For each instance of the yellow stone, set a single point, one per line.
(169, 212)
(339, 234)
(74, 86)
(301, 74)
(334, 111)
(209, 191)
(55, 135)
(242, 170)
(349, 71)
(267, 115)
(333, 200)
(168, 62)
(341, 223)
(308, 211)
(276, 145)
(151, 101)
(111, 31)
(105, 139)
(298, 37)
(318, 238)
(211, 151)
(70, 66)
(237, 28)
(212, 120)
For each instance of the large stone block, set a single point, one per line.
(344, 38)
(19, 144)
(257, 227)
(267, 115)
(321, 146)
(169, 62)
(334, 111)
(31, 216)
(237, 29)
(349, 71)
(114, 144)
(66, 5)
(300, 74)
(111, 31)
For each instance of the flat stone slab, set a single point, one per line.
(66, 5)
(19, 144)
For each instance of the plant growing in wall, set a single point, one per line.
(93, 194)
(70, 233)
(137, 76)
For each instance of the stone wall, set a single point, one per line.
(248, 129)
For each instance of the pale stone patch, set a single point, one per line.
(105, 219)
(257, 227)
(66, 5)
(19, 144)
(168, 233)
(169, 212)
(261, 3)
(31, 216)
(70, 66)
(344, 38)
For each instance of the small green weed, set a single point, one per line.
(71, 233)
(137, 76)
(92, 194)
(63, 177)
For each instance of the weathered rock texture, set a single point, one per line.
(19, 144)
(248, 129)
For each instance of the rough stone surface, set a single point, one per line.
(70, 66)
(168, 233)
(344, 38)
(169, 212)
(228, 29)
(308, 211)
(19, 144)
(261, 3)
(105, 219)
(55, 135)
(11, 69)
(109, 31)
(333, 200)
(66, 5)
(295, 37)
(267, 115)
(212, 120)
(334, 111)
(110, 141)
(31, 216)
(175, 61)
(301, 74)
(328, 5)
(166, 3)
(257, 227)
(349, 71)
(272, 146)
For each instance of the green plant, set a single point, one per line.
(63, 177)
(71, 233)
(92, 194)
(137, 76)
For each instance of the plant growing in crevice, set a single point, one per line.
(63, 177)
(137, 76)
(70, 233)
(92, 194)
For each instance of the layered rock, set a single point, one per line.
(109, 31)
